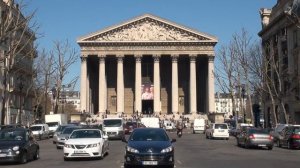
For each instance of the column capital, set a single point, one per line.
(102, 59)
(120, 58)
(211, 58)
(174, 57)
(83, 58)
(156, 57)
(193, 58)
(138, 57)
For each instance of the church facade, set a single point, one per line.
(147, 65)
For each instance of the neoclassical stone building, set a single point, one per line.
(171, 63)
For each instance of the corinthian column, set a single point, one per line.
(156, 84)
(102, 85)
(193, 91)
(83, 89)
(174, 84)
(120, 85)
(138, 83)
(211, 85)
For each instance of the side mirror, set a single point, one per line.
(173, 140)
(105, 137)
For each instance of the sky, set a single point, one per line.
(62, 20)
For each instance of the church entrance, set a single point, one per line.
(147, 107)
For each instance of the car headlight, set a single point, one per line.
(15, 148)
(132, 150)
(92, 145)
(68, 146)
(167, 150)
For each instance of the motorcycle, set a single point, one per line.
(179, 133)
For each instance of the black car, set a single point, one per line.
(290, 137)
(18, 145)
(149, 147)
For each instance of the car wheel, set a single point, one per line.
(246, 145)
(23, 158)
(102, 153)
(37, 154)
(238, 143)
(289, 146)
(66, 159)
(206, 136)
(270, 147)
(278, 143)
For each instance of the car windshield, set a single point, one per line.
(112, 123)
(9, 135)
(258, 131)
(52, 124)
(149, 135)
(61, 128)
(221, 126)
(36, 128)
(85, 134)
(68, 130)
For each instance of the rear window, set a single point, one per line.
(258, 131)
(52, 124)
(221, 126)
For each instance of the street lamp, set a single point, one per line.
(243, 96)
(20, 86)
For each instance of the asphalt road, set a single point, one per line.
(191, 151)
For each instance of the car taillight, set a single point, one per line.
(251, 136)
(295, 136)
(270, 137)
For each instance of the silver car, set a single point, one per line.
(62, 138)
(254, 137)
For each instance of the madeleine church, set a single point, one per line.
(147, 65)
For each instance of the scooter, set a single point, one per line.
(179, 133)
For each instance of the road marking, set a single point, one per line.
(178, 161)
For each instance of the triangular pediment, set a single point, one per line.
(148, 28)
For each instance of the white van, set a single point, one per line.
(151, 122)
(40, 131)
(199, 125)
(114, 127)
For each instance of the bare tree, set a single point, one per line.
(64, 56)
(17, 34)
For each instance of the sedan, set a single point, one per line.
(61, 138)
(254, 137)
(149, 147)
(18, 145)
(86, 143)
(290, 137)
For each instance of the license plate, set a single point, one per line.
(221, 130)
(149, 162)
(262, 145)
(2, 155)
(79, 151)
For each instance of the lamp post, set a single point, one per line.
(21, 86)
(243, 102)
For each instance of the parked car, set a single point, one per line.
(199, 125)
(84, 143)
(62, 138)
(18, 145)
(40, 131)
(149, 147)
(11, 126)
(254, 137)
(290, 137)
(217, 130)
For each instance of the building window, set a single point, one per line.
(295, 38)
(113, 100)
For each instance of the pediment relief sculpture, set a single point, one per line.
(148, 31)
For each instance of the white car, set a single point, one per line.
(217, 130)
(86, 143)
